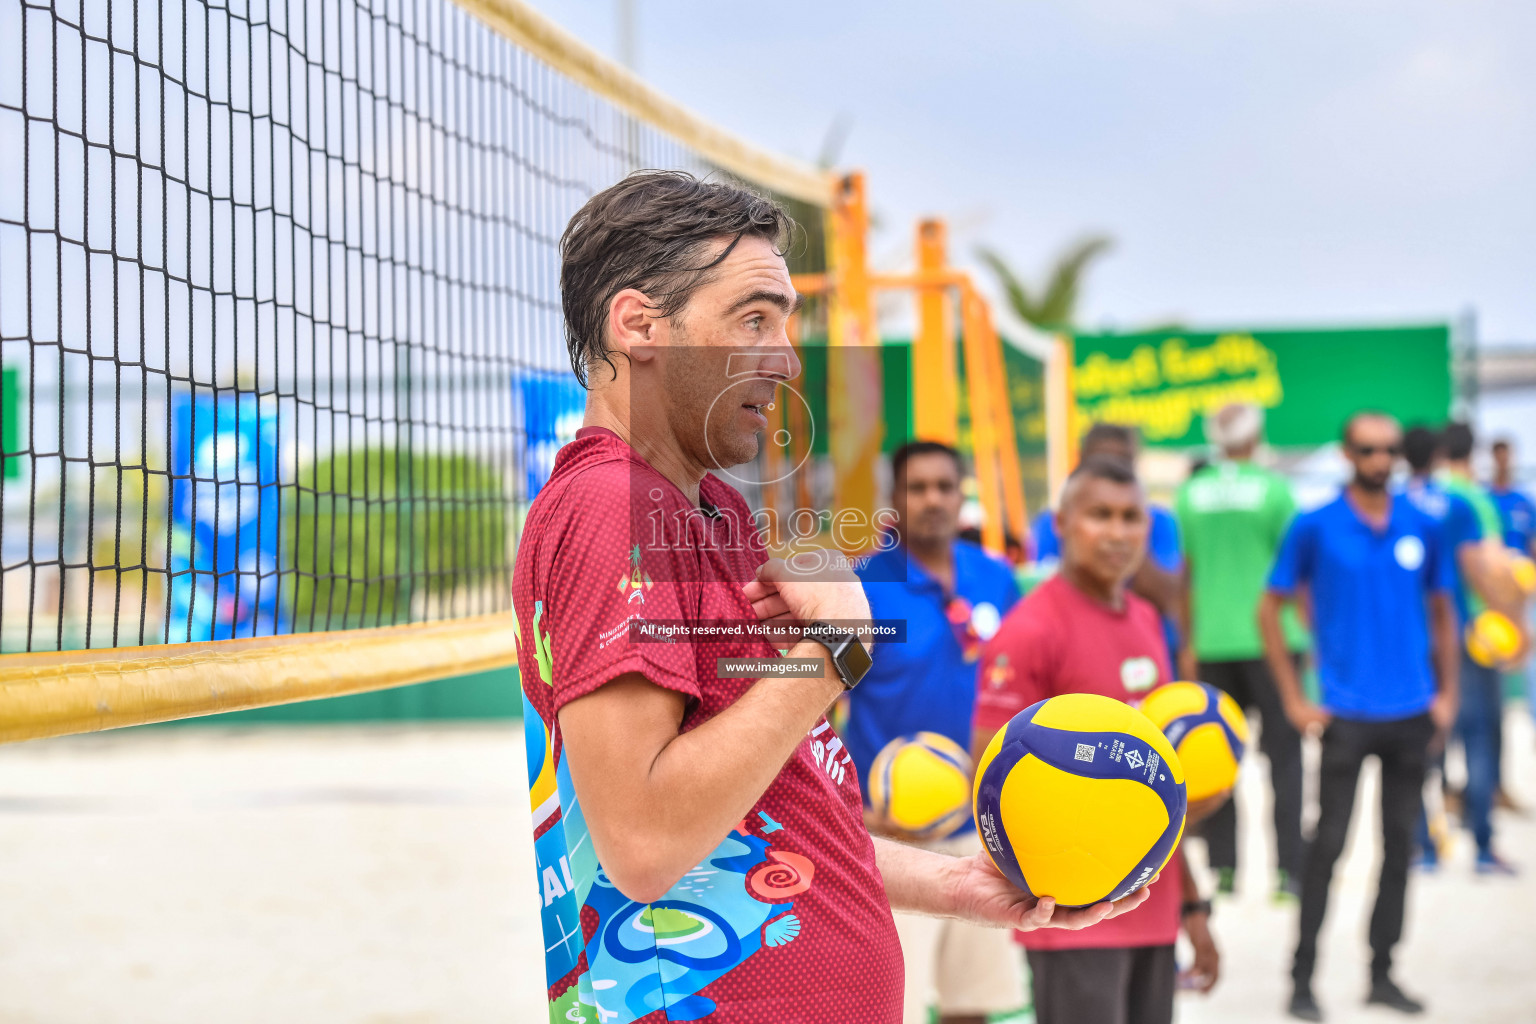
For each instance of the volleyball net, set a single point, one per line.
(282, 347)
(281, 335)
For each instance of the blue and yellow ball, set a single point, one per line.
(922, 784)
(1523, 569)
(1081, 798)
(1492, 639)
(1207, 730)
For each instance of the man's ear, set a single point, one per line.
(632, 325)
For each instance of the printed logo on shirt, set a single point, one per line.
(1138, 674)
(1223, 492)
(1000, 674)
(1409, 552)
(829, 753)
(635, 582)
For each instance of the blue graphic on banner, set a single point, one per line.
(224, 518)
(551, 407)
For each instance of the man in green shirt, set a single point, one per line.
(1232, 516)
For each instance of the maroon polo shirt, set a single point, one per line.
(787, 920)
(1058, 640)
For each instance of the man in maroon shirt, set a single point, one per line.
(698, 832)
(1083, 631)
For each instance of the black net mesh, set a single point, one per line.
(279, 311)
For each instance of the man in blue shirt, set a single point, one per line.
(1461, 533)
(1379, 580)
(952, 596)
(1160, 578)
(1515, 506)
(1485, 583)
(1519, 515)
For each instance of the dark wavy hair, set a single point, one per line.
(655, 231)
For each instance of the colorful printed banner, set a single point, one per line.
(224, 518)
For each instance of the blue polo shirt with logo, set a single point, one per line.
(1519, 515)
(928, 683)
(1369, 590)
(1458, 525)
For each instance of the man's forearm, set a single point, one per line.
(1188, 887)
(707, 779)
(1484, 571)
(653, 816)
(918, 881)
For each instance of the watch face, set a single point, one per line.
(856, 659)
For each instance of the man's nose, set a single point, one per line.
(782, 360)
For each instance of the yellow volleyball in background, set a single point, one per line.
(1208, 730)
(922, 784)
(1492, 639)
(1524, 571)
(1081, 798)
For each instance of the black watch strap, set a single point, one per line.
(1195, 907)
(850, 656)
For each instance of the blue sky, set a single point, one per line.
(1257, 161)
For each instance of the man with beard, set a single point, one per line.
(950, 596)
(698, 830)
(1380, 578)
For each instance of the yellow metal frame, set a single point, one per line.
(62, 692)
(855, 428)
(935, 385)
(624, 89)
(1060, 413)
(850, 287)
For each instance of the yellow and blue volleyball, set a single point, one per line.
(1523, 569)
(922, 784)
(1080, 798)
(1208, 731)
(1492, 639)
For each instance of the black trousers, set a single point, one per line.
(1103, 986)
(1402, 746)
(1253, 687)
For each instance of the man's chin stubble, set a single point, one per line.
(738, 454)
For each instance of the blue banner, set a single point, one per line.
(224, 519)
(551, 407)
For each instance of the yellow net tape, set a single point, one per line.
(61, 692)
(571, 57)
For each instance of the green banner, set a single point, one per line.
(1026, 394)
(1308, 381)
(10, 420)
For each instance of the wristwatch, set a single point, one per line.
(1195, 907)
(849, 655)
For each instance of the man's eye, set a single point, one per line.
(753, 323)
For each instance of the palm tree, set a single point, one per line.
(1055, 306)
